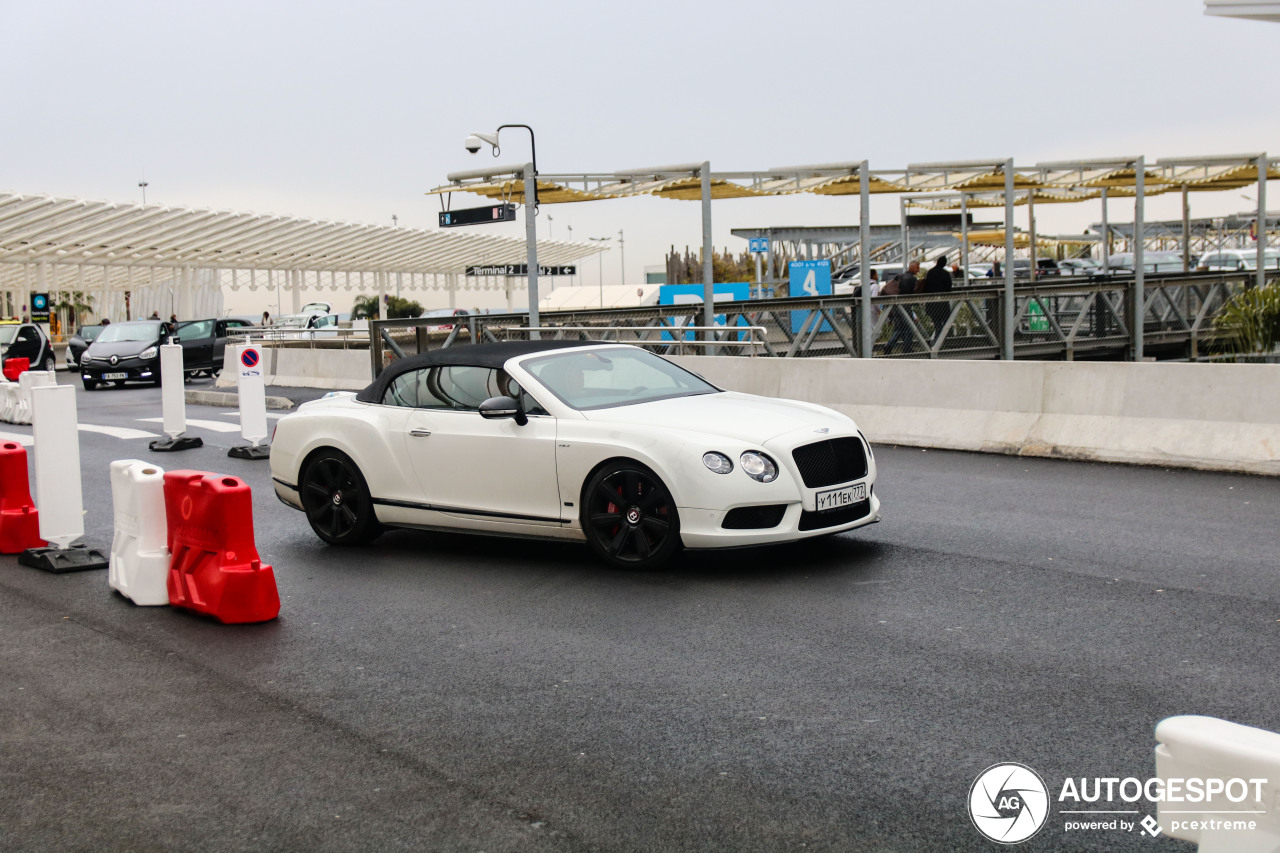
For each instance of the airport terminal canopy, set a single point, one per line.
(49, 232)
(983, 182)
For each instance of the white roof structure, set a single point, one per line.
(64, 237)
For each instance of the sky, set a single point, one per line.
(350, 112)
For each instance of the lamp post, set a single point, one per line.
(600, 258)
(622, 258)
(144, 184)
(473, 144)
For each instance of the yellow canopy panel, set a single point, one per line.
(995, 237)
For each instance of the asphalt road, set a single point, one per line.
(444, 692)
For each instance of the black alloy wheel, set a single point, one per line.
(336, 500)
(629, 517)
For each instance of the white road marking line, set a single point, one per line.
(216, 426)
(118, 432)
(24, 440)
(237, 414)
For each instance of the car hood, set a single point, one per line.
(106, 349)
(729, 413)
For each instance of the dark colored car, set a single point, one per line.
(130, 351)
(26, 340)
(79, 342)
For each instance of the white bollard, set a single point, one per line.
(252, 393)
(173, 403)
(139, 567)
(56, 435)
(1237, 766)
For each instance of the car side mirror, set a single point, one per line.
(497, 408)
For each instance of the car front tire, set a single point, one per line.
(336, 500)
(629, 517)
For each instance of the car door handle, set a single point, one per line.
(419, 433)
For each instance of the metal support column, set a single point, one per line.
(1031, 226)
(964, 236)
(1186, 230)
(867, 349)
(708, 270)
(906, 240)
(1006, 343)
(1106, 234)
(1139, 233)
(1261, 230)
(531, 242)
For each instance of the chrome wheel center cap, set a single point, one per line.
(337, 498)
(633, 515)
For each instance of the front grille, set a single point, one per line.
(825, 463)
(754, 517)
(834, 517)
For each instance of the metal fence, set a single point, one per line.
(1067, 319)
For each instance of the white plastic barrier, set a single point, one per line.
(8, 400)
(26, 382)
(139, 562)
(1232, 805)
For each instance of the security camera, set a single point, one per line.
(476, 140)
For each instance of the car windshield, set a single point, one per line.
(130, 332)
(7, 334)
(89, 334)
(602, 379)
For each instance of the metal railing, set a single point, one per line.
(335, 337)
(1067, 319)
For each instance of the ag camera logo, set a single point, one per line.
(1008, 803)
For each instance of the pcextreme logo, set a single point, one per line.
(1009, 803)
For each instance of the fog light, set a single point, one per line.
(717, 462)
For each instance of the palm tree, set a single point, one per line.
(365, 308)
(71, 306)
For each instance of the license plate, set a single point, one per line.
(115, 376)
(837, 498)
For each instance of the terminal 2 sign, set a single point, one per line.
(521, 269)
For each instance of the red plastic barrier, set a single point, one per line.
(14, 367)
(19, 520)
(214, 567)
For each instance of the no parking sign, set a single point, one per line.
(251, 389)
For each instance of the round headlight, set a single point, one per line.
(149, 352)
(759, 467)
(717, 462)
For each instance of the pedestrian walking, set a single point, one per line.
(938, 281)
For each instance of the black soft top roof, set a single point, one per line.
(493, 355)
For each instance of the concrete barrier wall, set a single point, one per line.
(1210, 416)
(298, 367)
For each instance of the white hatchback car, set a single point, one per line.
(571, 440)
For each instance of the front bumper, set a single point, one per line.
(134, 370)
(704, 528)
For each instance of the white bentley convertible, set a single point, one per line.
(571, 440)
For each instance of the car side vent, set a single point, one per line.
(754, 517)
(836, 460)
